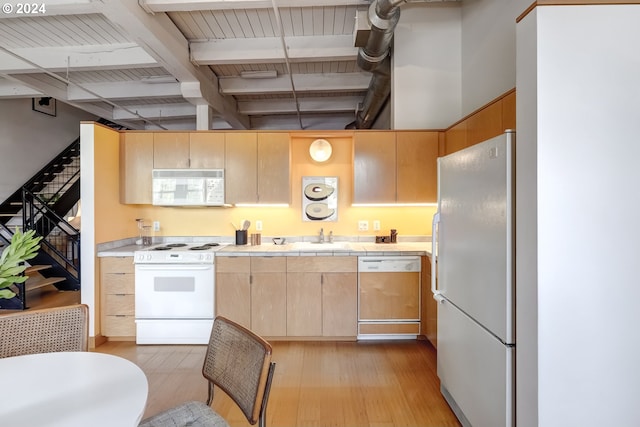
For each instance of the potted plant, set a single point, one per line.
(23, 247)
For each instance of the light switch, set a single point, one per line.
(376, 225)
(258, 225)
(156, 225)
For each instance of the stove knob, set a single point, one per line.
(149, 256)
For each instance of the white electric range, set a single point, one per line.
(175, 293)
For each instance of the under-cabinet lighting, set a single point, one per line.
(392, 205)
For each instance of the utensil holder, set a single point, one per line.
(241, 237)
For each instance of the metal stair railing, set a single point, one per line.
(59, 238)
(50, 182)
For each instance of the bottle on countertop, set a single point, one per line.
(394, 235)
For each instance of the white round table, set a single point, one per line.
(70, 389)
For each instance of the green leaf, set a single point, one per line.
(23, 247)
(6, 294)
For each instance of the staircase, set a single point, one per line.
(41, 204)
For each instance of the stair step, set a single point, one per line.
(34, 268)
(39, 282)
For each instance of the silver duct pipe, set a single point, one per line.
(374, 57)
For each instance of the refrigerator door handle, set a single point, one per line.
(434, 257)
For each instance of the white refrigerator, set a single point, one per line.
(473, 281)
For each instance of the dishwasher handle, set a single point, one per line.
(391, 264)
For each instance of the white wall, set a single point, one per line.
(450, 59)
(88, 235)
(29, 139)
(426, 67)
(586, 101)
(488, 50)
(526, 227)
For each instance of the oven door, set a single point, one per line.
(174, 291)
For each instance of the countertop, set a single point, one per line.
(348, 248)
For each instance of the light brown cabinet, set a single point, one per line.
(257, 167)
(206, 150)
(268, 296)
(170, 150)
(233, 289)
(429, 308)
(241, 174)
(274, 175)
(374, 167)
(117, 295)
(322, 296)
(183, 150)
(252, 292)
(417, 170)
(136, 164)
(395, 167)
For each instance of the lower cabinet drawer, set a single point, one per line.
(119, 304)
(389, 328)
(119, 326)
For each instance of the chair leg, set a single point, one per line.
(267, 388)
(210, 394)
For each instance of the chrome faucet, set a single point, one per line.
(331, 236)
(322, 235)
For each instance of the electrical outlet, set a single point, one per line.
(363, 225)
(259, 225)
(156, 225)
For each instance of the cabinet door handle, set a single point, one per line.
(322, 278)
(251, 279)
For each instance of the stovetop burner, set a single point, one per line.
(161, 248)
(176, 245)
(200, 248)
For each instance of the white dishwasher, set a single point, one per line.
(388, 297)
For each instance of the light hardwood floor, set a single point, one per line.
(315, 383)
(341, 384)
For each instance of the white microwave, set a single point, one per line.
(188, 187)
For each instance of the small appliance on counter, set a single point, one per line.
(392, 238)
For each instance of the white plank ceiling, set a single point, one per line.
(152, 64)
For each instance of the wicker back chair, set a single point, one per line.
(46, 330)
(239, 363)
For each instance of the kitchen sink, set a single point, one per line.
(320, 246)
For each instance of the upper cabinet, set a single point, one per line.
(206, 150)
(489, 121)
(257, 167)
(274, 176)
(180, 150)
(170, 150)
(395, 167)
(416, 162)
(136, 163)
(241, 159)
(374, 167)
